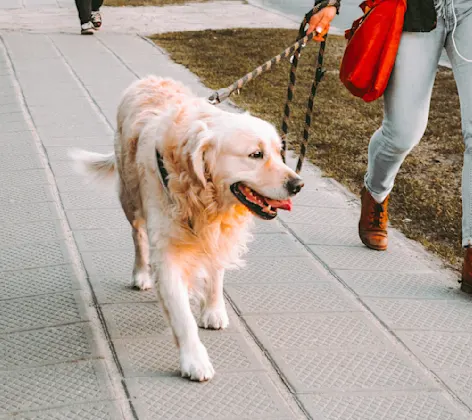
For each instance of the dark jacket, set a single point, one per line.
(420, 15)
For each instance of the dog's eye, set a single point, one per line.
(256, 155)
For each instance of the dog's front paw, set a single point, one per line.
(142, 280)
(195, 363)
(214, 318)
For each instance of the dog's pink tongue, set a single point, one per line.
(280, 204)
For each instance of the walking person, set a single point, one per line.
(89, 15)
(430, 25)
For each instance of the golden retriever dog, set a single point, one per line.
(190, 178)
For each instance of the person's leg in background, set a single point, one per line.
(84, 7)
(462, 68)
(96, 15)
(406, 108)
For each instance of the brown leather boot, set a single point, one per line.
(466, 285)
(373, 222)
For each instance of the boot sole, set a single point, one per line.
(466, 287)
(374, 247)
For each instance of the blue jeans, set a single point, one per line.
(407, 101)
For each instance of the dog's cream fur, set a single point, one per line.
(188, 234)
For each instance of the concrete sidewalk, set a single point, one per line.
(321, 327)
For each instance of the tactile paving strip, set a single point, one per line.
(160, 356)
(33, 255)
(320, 198)
(313, 331)
(276, 298)
(48, 386)
(45, 346)
(404, 285)
(37, 281)
(40, 311)
(343, 371)
(247, 396)
(397, 406)
(440, 350)
(27, 233)
(275, 245)
(29, 177)
(362, 258)
(433, 315)
(278, 270)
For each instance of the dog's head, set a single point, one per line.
(241, 155)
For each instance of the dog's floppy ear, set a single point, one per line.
(200, 140)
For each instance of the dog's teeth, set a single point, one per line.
(269, 207)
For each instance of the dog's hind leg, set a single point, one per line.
(141, 271)
(214, 315)
(173, 291)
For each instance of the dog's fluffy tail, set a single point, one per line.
(96, 165)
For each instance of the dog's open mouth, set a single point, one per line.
(265, 208)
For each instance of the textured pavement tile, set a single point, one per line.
(361, 258)
(33, 255)
(76, 183)
(50, 386)
(226, 396)
(159, 356)
(90, 199)
(382, 406)
(321, 216)
(100, 264)
(402, 285)
(275, 245)
(28, 233)
(40, 311)
(276, 298)
(433, 315)
(37, 281)
(97, 219)
(25, 213)
(278, 270)
(104, 239)
(25, 194)
(460, 382)
(62, 153)
(28, 177)
(321, 198)
(20, 162)
(440, 350)
(136, 320)
(315, 331)
(117, 289)
(17, 146)
(268, 226)
(27, 349)
(336, 370)
(326, 234)
(80, 142)
(93, 411)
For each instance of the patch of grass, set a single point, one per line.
(426, 201)
(134, 3)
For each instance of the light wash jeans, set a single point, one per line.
(407, 102)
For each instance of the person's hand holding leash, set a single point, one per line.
(321, 22)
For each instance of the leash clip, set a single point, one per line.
(219, 96)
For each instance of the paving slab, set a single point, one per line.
(320, 327)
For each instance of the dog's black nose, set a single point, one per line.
(294, 185)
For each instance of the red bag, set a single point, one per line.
(372, 48)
